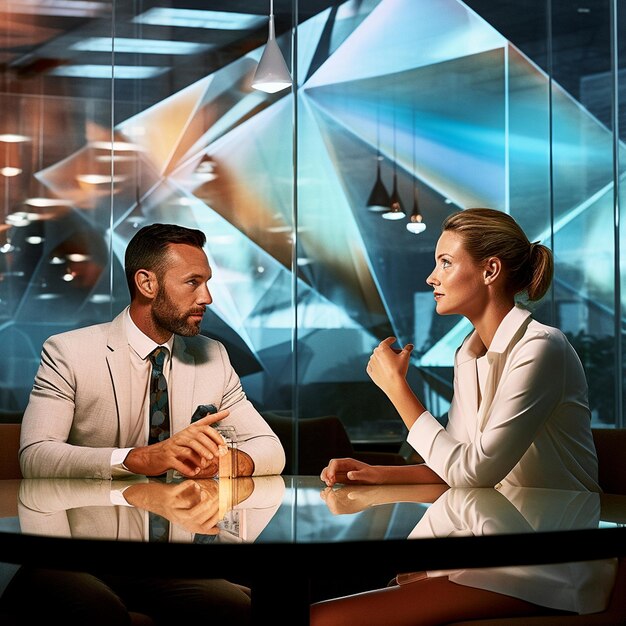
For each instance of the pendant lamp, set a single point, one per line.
(379, 199)
(395, 210)
(272, 73)
(415, 224)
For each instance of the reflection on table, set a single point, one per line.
(580, 587)
(234, 510)
(301, 510)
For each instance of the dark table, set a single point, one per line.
(282, 532)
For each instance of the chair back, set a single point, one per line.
(611, 450)
(9, 448)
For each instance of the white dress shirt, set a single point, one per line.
(532, 427)
(141, 346)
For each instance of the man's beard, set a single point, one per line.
(166, 315)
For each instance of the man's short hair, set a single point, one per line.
(148, 247)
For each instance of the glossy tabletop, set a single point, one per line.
(293, 528)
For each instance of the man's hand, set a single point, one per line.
(192, 504)
(194, 451)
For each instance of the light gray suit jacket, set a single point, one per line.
(81, 403)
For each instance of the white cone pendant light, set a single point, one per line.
(272, 73)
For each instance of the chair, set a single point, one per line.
(319, 440)
(9, 447)
(611, 449)
(9, 472)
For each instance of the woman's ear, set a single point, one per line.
(146, 283)
(492, 269)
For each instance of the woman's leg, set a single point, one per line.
(425, 602)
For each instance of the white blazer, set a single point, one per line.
(532, 427)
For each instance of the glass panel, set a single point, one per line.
(460, 120)
(119, 114)
(619, 137)
(54, 251)
(583, 194)
(116, 115)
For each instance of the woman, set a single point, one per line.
(519, 414)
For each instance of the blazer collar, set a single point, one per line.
(516, 319)
(473, 347)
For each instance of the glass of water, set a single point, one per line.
(228, 462)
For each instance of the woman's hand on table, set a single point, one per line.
(355, 498)
(346, 500)
(351, 471)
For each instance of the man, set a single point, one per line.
(88, 414)
(94, 413)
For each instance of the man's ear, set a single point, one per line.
(492, 269)
(146, 283)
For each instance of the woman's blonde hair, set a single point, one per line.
(490, 233)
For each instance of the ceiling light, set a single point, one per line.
(119, 146)
(108, 72)
(272, 73)
(20, 218)
(46, 202)
(117, 158)
(100, 179)
(194, 18)
(75, 257)
(9, 171)
(100, 298)
(62, 8)
(139, 46)
(379, 199)
(415, 224)
(396, 210)
(12, 138)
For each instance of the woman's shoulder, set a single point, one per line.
(544, 330)
(545, 338)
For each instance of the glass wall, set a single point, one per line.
(321, 203)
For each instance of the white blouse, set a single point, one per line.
(533, 425)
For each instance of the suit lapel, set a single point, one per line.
(118, 361)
